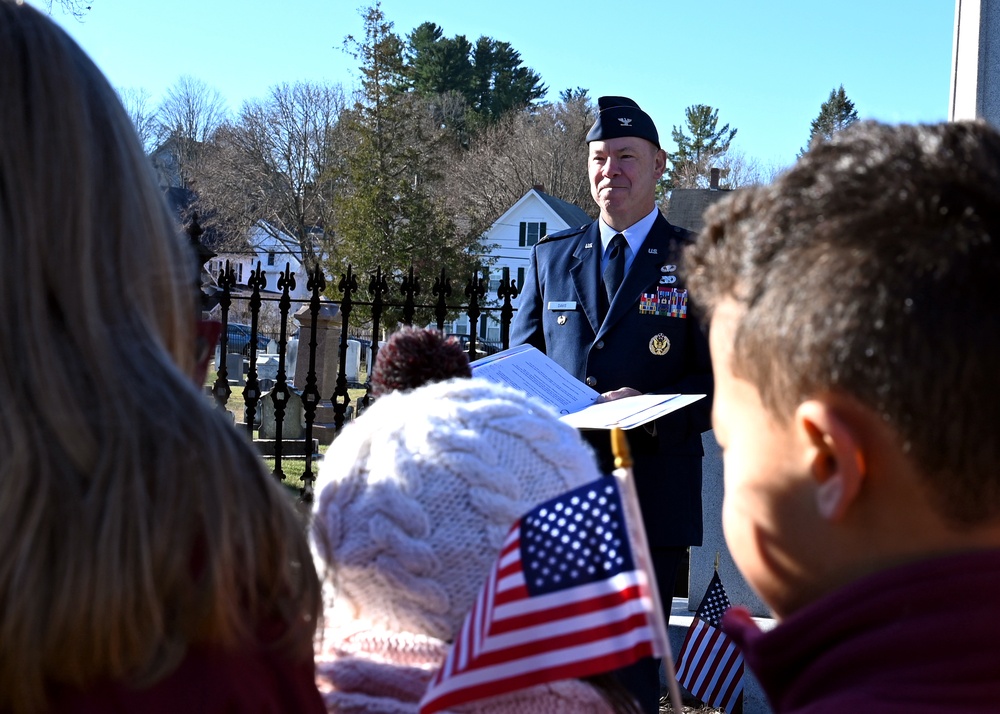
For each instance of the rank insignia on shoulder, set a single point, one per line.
(659, 345)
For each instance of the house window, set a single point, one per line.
(529, 233)
(270, 258)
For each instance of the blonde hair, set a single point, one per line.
(134, 520)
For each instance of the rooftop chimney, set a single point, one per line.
(539, 187)
(714, 184)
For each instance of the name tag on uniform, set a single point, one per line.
(567, 305)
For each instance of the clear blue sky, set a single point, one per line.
(767, 65)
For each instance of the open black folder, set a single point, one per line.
(530, 370)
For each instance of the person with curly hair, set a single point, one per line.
(414, 356)
(854, 334)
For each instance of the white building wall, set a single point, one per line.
(504, 237)
(264, 246)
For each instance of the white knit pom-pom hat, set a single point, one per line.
(417, 495)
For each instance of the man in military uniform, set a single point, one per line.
(608, 303)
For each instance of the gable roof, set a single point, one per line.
(569, 212)
(571, 215)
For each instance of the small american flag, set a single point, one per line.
(564, 600)
(709, 665)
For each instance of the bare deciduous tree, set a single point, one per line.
(186, 119)
(136, 101)
(272, 165)
(76, 8)
(740, 170)
(736, 170)
(542, 145)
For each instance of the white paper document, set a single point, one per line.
(526, 368)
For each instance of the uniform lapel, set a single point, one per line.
(644, 271)
(584, 269)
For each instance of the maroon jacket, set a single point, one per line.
(209, 681)
(917, 639)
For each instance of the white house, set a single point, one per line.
(271, 248)
(511, 237)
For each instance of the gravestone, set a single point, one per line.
(267, 366)
(291, 355)
(975, 62)
(329, 325)
(352, 369)
(267, 371)
(234, 365)
(368, 357)
(234, 369)
(293, 423)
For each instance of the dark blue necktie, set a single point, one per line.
(614, 271)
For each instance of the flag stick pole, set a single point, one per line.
(623, 472)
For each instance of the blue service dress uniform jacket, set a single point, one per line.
(641, 344)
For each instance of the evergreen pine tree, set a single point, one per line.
(501, 83)
(691, 162)
(436, 64)
(835, 114)
(489, 75)
(386, 216)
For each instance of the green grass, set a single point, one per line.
(293, 469)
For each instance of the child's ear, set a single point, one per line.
(835, 457)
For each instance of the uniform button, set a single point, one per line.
(591, 381)
(600, 345)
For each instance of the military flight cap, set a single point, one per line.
(620, 116)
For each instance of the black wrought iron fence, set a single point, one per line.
(381, 292)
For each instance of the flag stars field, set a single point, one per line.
(585, 525)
